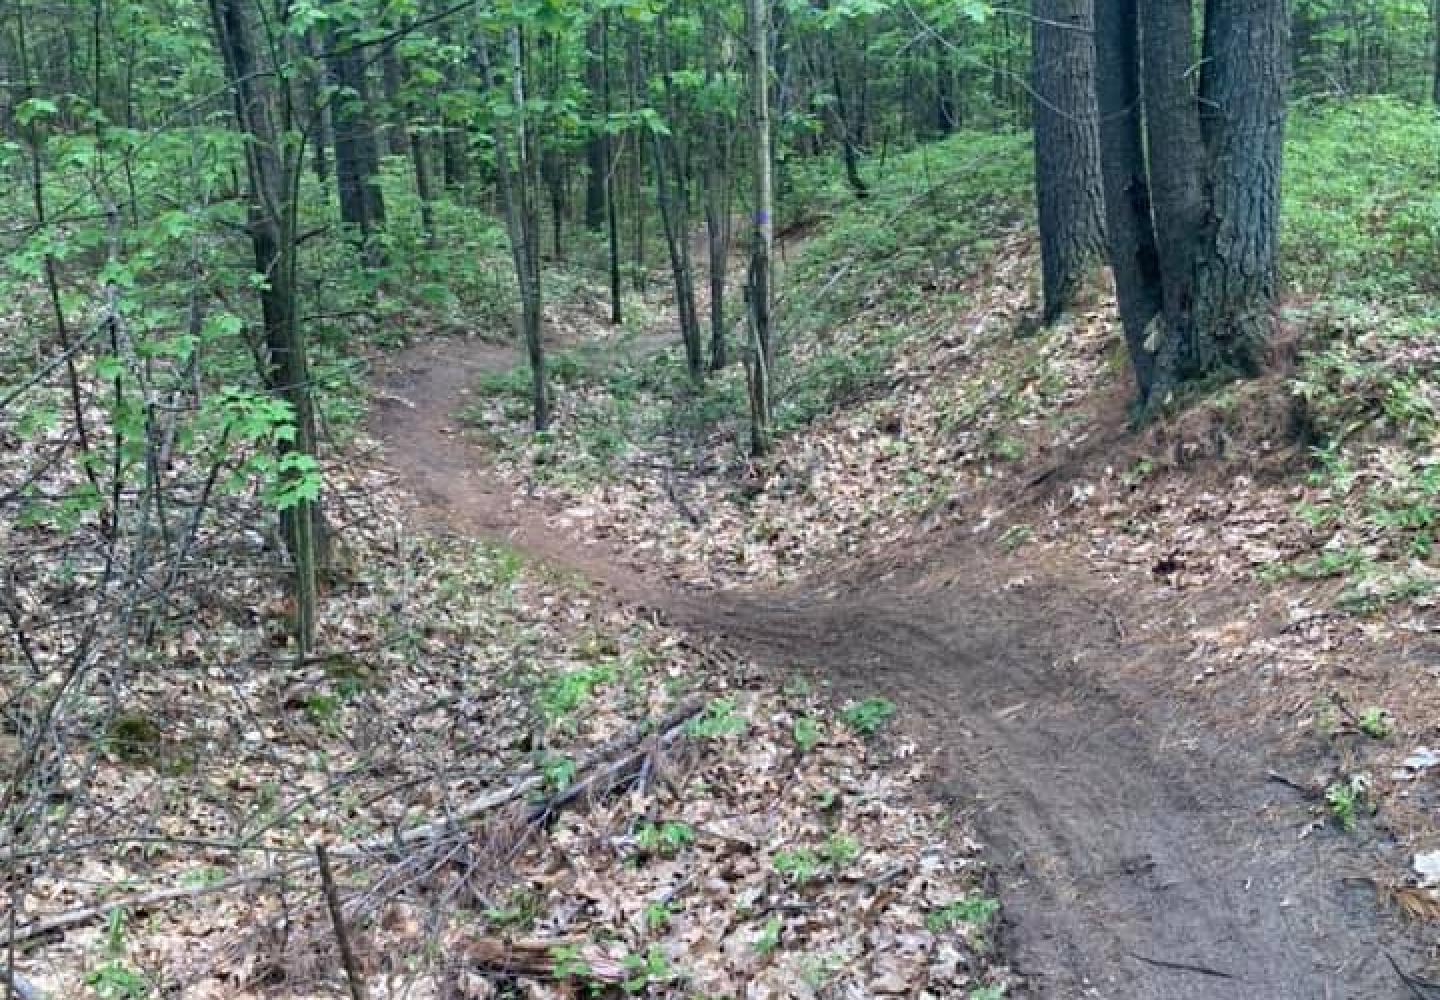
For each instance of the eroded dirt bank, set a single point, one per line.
(1141, 854)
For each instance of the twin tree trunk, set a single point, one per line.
(1193, 232)
(1067, 150)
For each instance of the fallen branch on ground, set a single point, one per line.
(541, 959)
(604, 770)
(534, 783)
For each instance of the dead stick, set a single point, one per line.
(337, 918)
(1280, 779)
(1203, 970)
(84, 915)
(1422, 989)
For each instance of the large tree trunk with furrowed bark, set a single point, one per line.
(1067, 150)
(1194, 237)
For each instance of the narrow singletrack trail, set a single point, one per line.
(1139, 855)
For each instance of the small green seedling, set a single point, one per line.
(769, 938)
(720, 719)
(116, 981)
(868, 716)
(1377, 723)
(1016, 536)
(665, 840)
(568, 962)
(1345, 799)
(841, 850)
(800, 866)
(565, 693)
(808, 733)
(972, 911)
(657, 915)
(642, 970)
(558, 772)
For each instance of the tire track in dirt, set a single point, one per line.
(1139, 855)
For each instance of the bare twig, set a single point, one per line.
(1161, 963)
(144, 901)
(1309, 791)
(1422, 989)
(337, 919)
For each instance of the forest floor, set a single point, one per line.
(1134, 739)
(616, 709)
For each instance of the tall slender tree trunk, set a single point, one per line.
(1435, 57)
(849, 148)
(597, 160)
(672, 194)
(760, 360)
(393, 79)
(519, 183)
(272, 171)
(634, 83)
(719, 185)
(414, 144)
(321, 134)
(357, 155)
(612, 210)
(672, 197)
(1067, 150)
(1131, 234)
(454, 159)
(947, 118)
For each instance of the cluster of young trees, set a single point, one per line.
(207, 176)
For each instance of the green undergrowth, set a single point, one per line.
(1361, 233)
(1362, 202)
(1369, 400)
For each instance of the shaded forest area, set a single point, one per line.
(731, 298)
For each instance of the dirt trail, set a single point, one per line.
(1140, 856)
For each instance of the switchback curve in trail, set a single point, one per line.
(1139, 855)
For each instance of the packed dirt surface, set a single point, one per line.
(1141, 854)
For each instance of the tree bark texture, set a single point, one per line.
(1209, 215)
(357, 153)
(1067, 150)
(760, 291)
(272, 221)
(596, 146)
(1134, 258)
